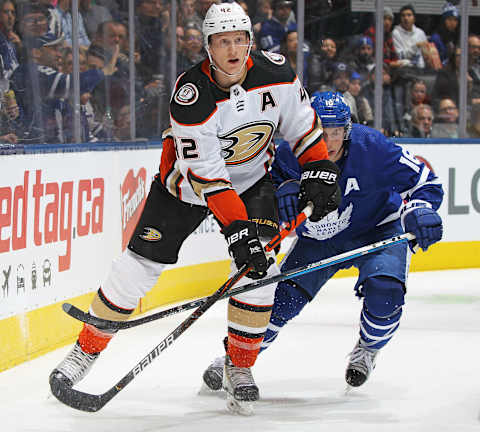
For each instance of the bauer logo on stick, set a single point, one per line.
(187, 94)
(151, 234)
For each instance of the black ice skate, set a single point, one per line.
(74, 367)
(361, 364)
(240, 386)
(213, 375)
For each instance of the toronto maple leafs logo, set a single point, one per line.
(330, 225)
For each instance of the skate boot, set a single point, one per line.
(74, 367)
(240, 386)
(213, 375)
(360, 365)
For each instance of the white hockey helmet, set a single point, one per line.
(225, 17)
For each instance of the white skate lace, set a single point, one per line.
(218, 363)
(240, 377)
(76, 364)
(362, 360)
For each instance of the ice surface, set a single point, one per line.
(426, 379)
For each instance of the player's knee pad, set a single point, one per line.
(289, 301)
(130, 278)
(384, 296)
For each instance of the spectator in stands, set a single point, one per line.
(264, 13)
(122, 123)
(193, 51)
(67, 61)
(107, 35)
(446, 82)
(93, 14)
(32, 21)
(341, 83)
(288, 48)
(186, 12)
(418, 96)
(63, 10)
(151, 38)
(180, 38)
(8, 39)
(446, 120)
(447, 35)
(41, 89)
(362, 60)
(408, 39)
(274, 30)
(122, 34)
(474, 67)
(473, 49)
(54, 21)
(389, 54)
(321, 65)
(390, 126)
(364, 110)
(473, 128)
(422, 118)
(11, 120)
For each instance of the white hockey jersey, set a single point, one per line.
(223, 137)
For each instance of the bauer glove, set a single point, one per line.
(319, 186)
(245, 248)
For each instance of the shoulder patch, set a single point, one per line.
(275, 58)
(187, 94)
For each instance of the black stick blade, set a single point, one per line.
(64, 392)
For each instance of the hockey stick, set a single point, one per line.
(120, 325)
(92, 403)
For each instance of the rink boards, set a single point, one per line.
(65, 216)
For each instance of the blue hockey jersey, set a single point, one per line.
(378, 180)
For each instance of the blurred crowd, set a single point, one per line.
(420, 69)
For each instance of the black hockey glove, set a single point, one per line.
(319, 186)
(245, 247)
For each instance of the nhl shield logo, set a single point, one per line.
(187, 94)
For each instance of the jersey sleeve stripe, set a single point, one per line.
(201, 185)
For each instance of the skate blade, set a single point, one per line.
(348, 390)
(244, 408)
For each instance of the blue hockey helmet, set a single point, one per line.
(332, 110)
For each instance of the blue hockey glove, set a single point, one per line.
(426, 224)
(287, 195)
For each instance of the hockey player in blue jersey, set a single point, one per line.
(385, 191)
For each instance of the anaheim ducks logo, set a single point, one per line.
(151, 234)
(246, 142)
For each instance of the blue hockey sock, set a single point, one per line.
(375, 332)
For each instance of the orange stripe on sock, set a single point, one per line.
(93, 340)
(243, 351)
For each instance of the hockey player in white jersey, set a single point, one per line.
(216, 156)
